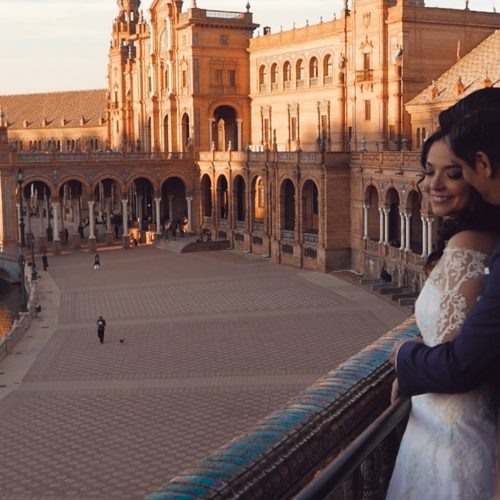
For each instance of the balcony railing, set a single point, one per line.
(240, 225)
(349, 462)
(287, 235)
(310, 237)
(364, 75)
(258, 227)
(282, 454)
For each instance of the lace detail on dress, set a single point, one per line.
(452, 276)
(448, 450)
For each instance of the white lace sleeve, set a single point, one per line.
(462, 281)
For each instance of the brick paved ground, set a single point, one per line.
(213, 343)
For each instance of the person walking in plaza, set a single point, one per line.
(97, 262)
(101, 327)
(45, 262)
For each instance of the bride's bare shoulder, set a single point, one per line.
(480, 241)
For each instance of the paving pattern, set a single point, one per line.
(213, 342)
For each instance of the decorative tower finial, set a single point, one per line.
(248, 6)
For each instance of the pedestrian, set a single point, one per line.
(45, 262)
(101, 326)
(97, 262)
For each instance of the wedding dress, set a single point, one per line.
(448, 451)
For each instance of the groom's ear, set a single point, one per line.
(483, 165)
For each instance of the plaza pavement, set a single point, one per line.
(214, 341)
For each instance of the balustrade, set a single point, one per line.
(287, 235)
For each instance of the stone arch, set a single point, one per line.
(239, 198)
(392, 202)
(262, 77)
(37, 194)
(140, 195)
(287, 73)
(328, 68)
(259, 198)
(372, 206)
(300, 69)
(313, 69)
(287, 205)
(222, 197)
(274, 75)
(206, 195)
(173, 199)
(225, 131)
(310, 207)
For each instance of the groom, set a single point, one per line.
(473, 357)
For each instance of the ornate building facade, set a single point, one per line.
(295, 145)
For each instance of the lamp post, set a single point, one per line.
(23, 294)
(20, 180)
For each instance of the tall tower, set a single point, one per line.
(127, 26)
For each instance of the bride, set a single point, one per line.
(448, 450)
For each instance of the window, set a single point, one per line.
(368, 110)
(299, 70)
(262, 77)
(184, 78)
(293, 128)
(231, 74)
(287, 72)
(327, 67)
(313, 68)
(218, 78)
(366, 60)
(274, 73)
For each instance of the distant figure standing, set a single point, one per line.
(97, 262)
(45, 262)
(101, 326)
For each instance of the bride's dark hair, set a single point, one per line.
(478, 215)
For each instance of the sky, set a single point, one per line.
(50, 45)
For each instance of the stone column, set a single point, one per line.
(56, 240)
(189, 200)
(239, 122)
(402, 218)
(365, 221)
(381, 225)
(92, 239)
(424, 236)
(211, 131)
(125, 223)
(91, 220)
(157, 216)
(408, 234)
(386, 225)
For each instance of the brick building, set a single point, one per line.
(299, 145)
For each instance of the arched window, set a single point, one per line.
(299, 72)
(287, 74)
(327, 70)
(262, 78)
(274, 76)
(313, 71)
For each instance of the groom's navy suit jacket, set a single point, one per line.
(472, 358)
